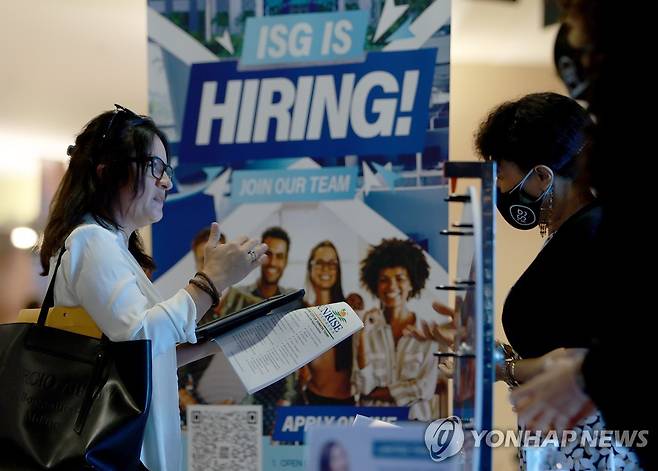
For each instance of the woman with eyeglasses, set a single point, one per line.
(117, 181)
(326, 380)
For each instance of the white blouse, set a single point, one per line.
(409, 369)
(99, 273)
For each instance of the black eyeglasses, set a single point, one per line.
(158, 167)
(133, 118)
(324, 265)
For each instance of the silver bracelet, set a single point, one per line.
(510, 378)
(504, 358)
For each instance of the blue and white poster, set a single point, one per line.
(320, 127)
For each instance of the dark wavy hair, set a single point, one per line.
(344, 348)
(392, 253)
(537, 129)
(101, 163)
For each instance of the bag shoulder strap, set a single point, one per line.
(49, 299)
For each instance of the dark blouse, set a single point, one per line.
(549, 306)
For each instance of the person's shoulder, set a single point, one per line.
(237, 292)
(374, 318)
(412, 345)
(236, 299)
(592, 216)
(92, 244)
(584, 225)
(250, 288)
(90, 235)
(374, 311)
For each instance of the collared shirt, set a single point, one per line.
(254, 289)
(409, 369)
(99, 273)
(240, 297)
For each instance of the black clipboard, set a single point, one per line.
(225, 324)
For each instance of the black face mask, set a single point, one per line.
(520, 210)
(568, 63)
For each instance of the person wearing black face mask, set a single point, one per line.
(540, 144)
(518, 207)
(614, 375)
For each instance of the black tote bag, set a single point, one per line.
(68, 401)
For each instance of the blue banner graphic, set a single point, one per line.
(399, 449)
(376, 107)
(311, 37)
(291, 422)
(249, 186)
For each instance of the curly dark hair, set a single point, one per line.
(537, 129)
(392, 253)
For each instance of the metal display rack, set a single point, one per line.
(473, 387)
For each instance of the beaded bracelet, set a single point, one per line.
(206, 289)
(207, 279)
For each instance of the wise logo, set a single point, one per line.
(335, 318)
(341, 315)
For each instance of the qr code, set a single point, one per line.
(224, 438)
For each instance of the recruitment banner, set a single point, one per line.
(320, 127)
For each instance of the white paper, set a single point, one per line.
(363, 421)
(271, 347)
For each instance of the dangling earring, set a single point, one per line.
(546, 214)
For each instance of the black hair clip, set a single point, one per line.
(70, 149)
